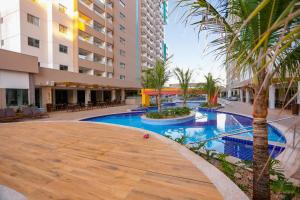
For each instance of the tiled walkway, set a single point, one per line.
(288, 124)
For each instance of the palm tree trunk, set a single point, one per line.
(261, 177)
(184, 98)
(159, 101)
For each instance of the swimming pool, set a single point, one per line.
(207, 125)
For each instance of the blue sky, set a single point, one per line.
(189, 50)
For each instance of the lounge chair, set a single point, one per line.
(37, 112)
(34, 112)
(8, 115)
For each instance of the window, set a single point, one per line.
(122, 16)
(122, 77)
(63, 67)
(63, 29)
(33, 20)
(122, 52)
(1, 20)
(122, 40)
(63, 48)
(122, 65)
(122, 28)
(109, 74)
(2, 43)
(122, 3)
(16, 97)
(62, 8)
(33, 42)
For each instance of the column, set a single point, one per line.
(2, 98)
(113, 95)
(87, 96)
(31, 90)
(122, 94)
(229, 93)
(247, 95)
(272, 96)
(241, 95)
(72, 96)
(46, 96)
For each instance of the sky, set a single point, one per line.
(189, 50)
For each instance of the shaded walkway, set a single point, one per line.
(74, 160)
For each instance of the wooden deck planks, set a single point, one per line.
(88, 161)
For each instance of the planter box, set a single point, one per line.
(169, 121)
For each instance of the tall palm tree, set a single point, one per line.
(256, 36)
(211, 88)
(159, 77)
(184, 78)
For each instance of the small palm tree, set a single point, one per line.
(159, 77)
(260, 37)
(211, 88)
(184, 78)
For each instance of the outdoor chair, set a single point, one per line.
(8, 115)
(2, 113)
(34, 112)
(39, 113)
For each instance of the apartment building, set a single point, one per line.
(86, 50)
(153, 14)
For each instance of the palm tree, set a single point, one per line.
(146, 79)
(159, 77)
(211, 88)
(184, 78)
(256, 36)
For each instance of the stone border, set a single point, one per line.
(169, 121)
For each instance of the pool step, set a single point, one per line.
(249, 140)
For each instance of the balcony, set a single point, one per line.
(99, 28)
(101, 3)
(87, 3)
(99, 43)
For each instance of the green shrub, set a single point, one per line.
(206, 105)
(169, 113)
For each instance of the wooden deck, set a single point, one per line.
(82, 161)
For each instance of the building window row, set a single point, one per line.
(122, 40)
(33, 42)
(33, 19)
(122, 52)
(122, 15)
(122, 28)
(122, 65)
(63, 67)
(63, 28)
(122, 3)
(63, 48)
(62, 8)
(16, 97)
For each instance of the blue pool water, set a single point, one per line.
(208, 124)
